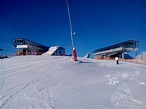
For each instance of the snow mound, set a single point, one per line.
(51, 50)
(42, 82)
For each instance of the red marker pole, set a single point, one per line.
(74, 58)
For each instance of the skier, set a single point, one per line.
(117, 60)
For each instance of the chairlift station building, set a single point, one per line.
(27, 47)
(116, 50)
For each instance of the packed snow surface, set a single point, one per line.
(47, 82)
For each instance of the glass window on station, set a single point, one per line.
(20, 42)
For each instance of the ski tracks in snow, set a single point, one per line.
(51, 88)
(23, 93)
(7, 98)
(123, 96)
(21, 68)
(14, 93)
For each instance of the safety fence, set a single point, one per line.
(137, 61)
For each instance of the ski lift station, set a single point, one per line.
(27, 47)
(117, 50)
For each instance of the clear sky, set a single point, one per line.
(97, 23)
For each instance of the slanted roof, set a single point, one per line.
(53, 49)
(22, 43)
(27, 42)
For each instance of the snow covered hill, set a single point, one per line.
(42, 82)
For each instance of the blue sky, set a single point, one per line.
(97, 23)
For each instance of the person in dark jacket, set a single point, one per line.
(117, 60)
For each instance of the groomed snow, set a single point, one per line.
(47, 82)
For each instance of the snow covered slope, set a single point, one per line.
(41, 82)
